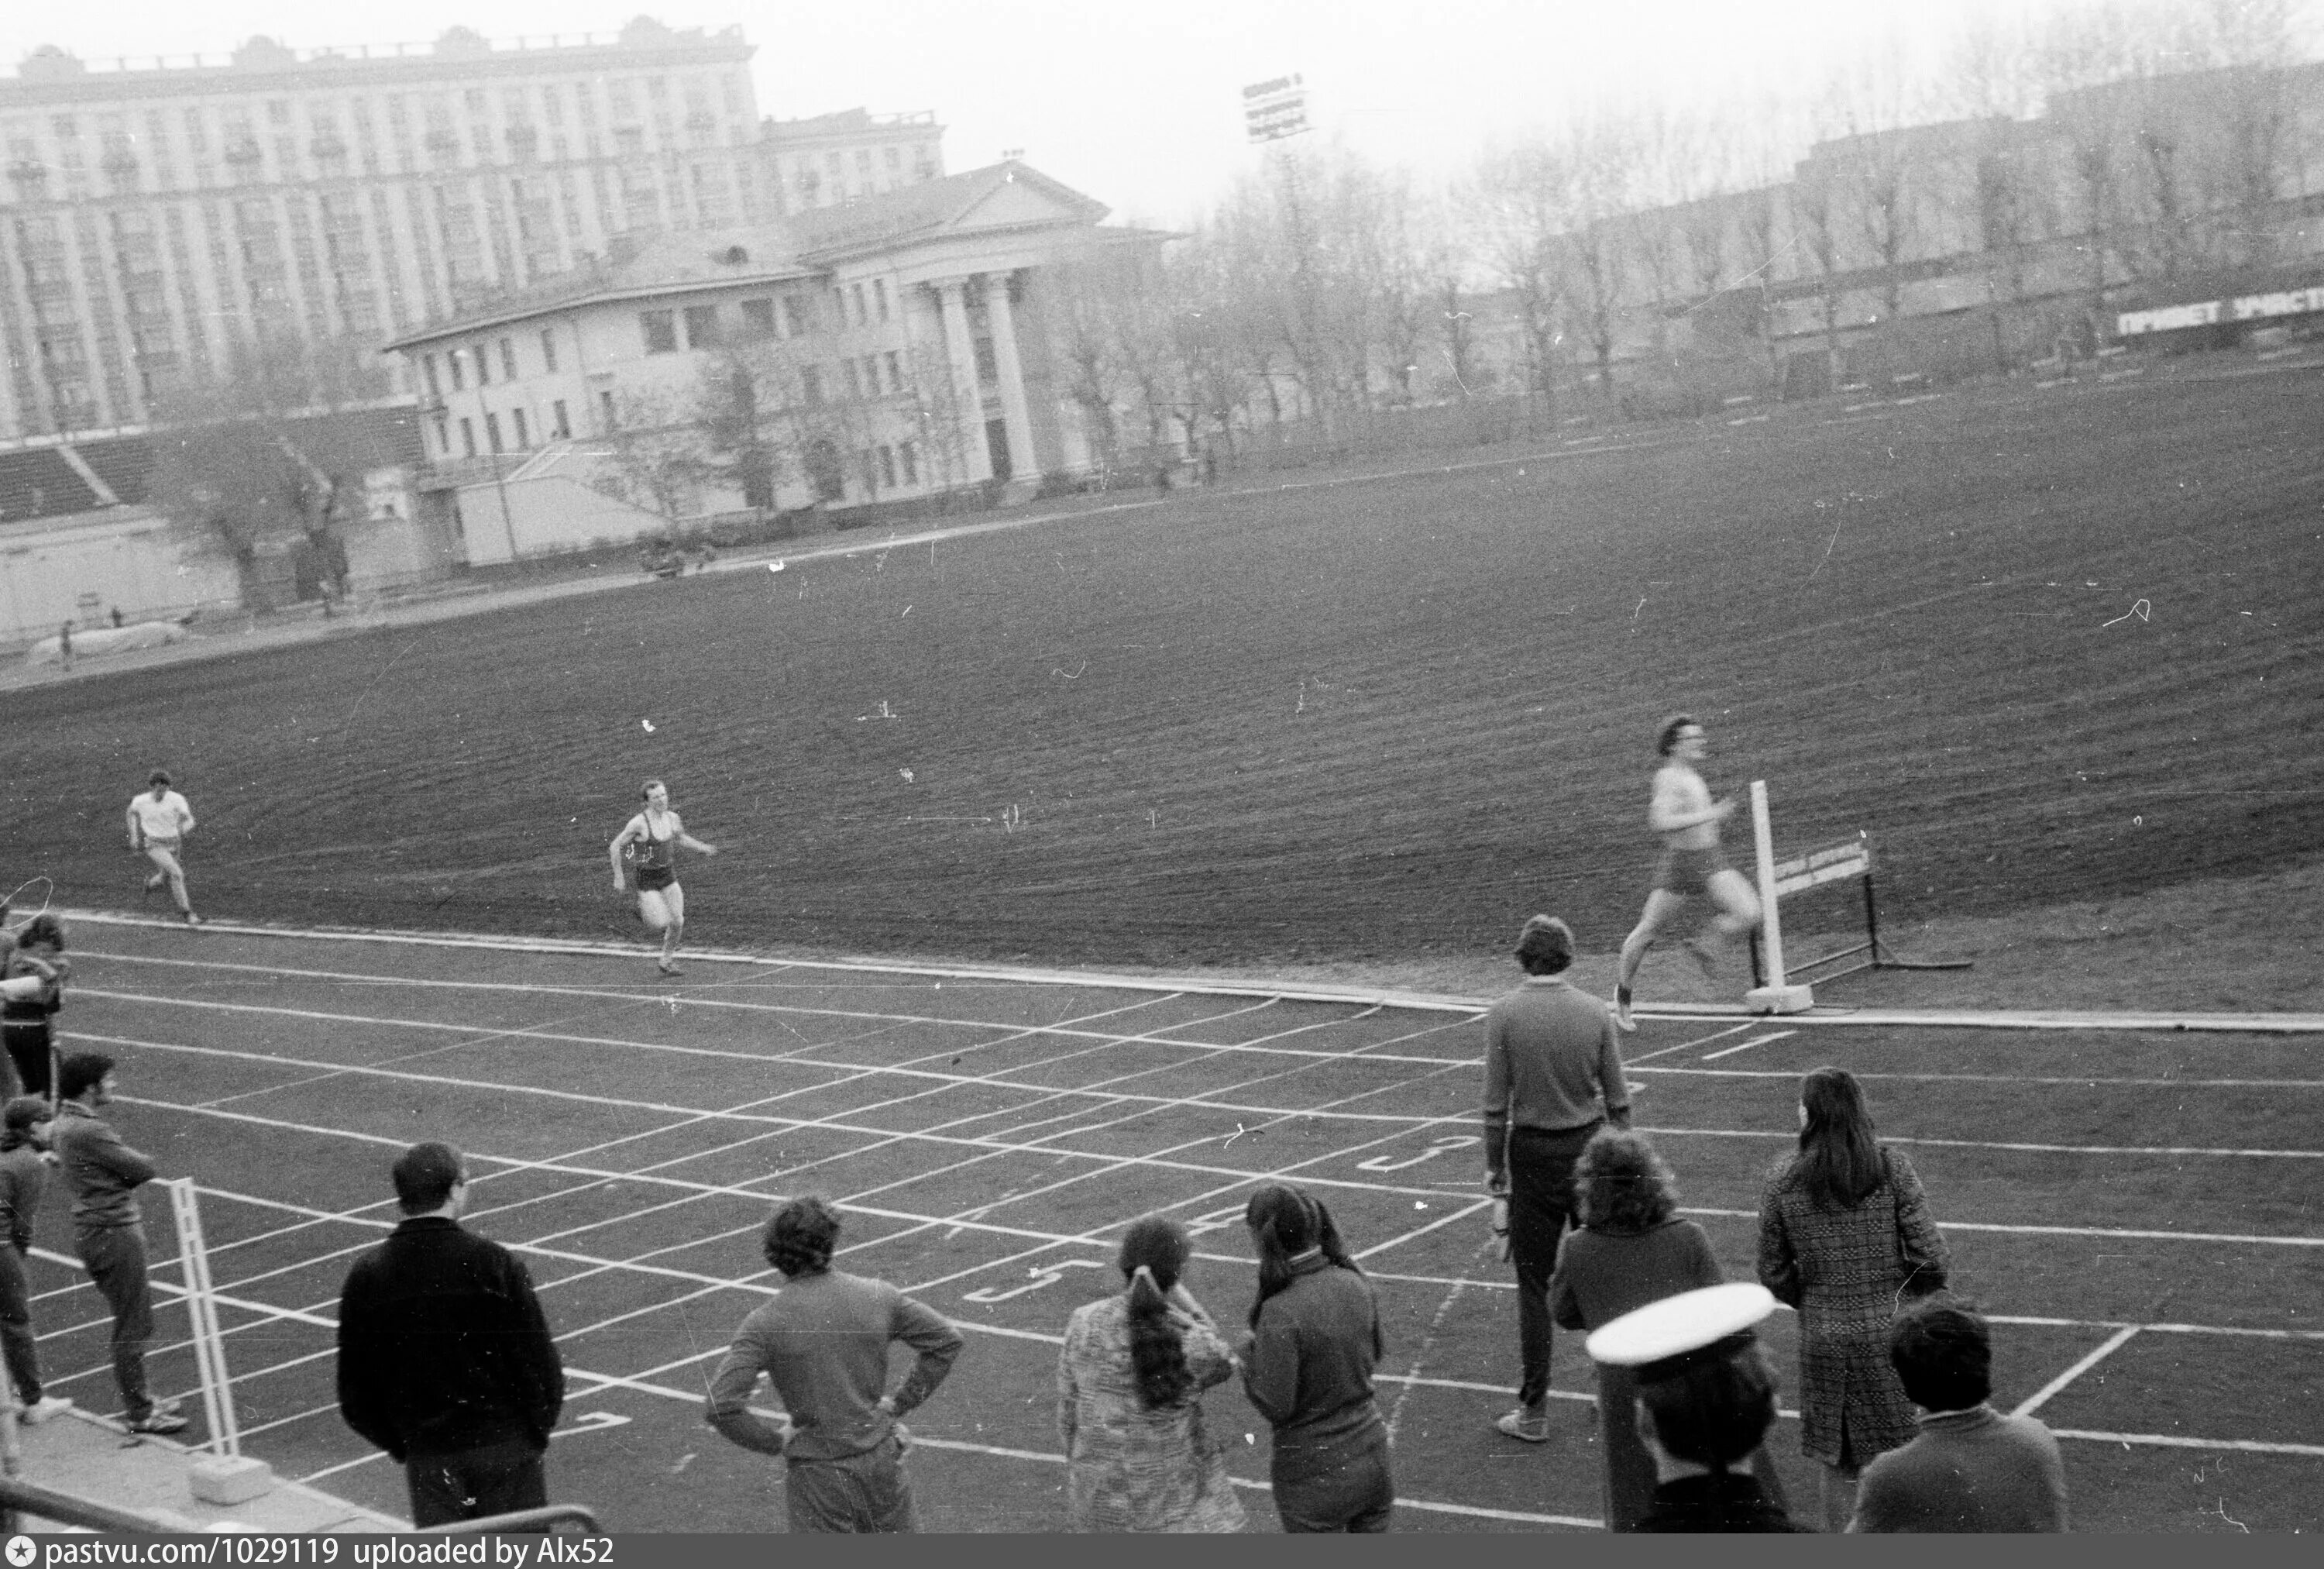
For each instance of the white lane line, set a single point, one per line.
(1631, 1062)
(1755, 1040)
(1156, 1036)
(2107, 1348)
(2074, 1081)
(2110, 1232)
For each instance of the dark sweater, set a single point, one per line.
(1731, 1501)
(1309, 1365)
(442, 1346)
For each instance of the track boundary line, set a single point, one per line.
(1838, 1015)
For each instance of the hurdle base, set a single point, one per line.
(229, 1479)
(1792, 999)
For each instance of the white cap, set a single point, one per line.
(1675, 1326)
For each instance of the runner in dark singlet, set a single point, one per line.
(648, 841)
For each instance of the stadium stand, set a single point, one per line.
(36, 481)
(125, 464)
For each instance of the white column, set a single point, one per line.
(968, 403)
(1014, 413)
(1776, 995)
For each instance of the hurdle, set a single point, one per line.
(1777, 991)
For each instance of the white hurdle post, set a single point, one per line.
(201, 1307)
(1776, 996)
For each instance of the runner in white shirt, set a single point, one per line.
(159, 822)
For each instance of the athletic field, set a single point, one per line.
(2136, 1209)
(2043, 644)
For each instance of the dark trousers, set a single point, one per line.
(114, 1257)
(16, 1326)
(28, 1045)
(1541, 1197)
(855, 1494)
(1350, 1490)
(468, 1484)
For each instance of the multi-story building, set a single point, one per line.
(151, 212)
(905, 344)
(831, 159)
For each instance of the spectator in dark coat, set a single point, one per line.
(1844, 1235)
(1971, 1468)
(1708, 1398)
(1307, 1366)
(446, 1360)
(1632, 1248)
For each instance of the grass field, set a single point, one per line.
(2043, 644)
(2136, 1210)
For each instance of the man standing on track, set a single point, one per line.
(108, 1232)
(1682, 812)
(656, 832)
(159, 821)
(824, 1342)
(446, 1360)
(1553, 1078)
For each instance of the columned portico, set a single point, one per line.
(1014, 411)
(960, 351)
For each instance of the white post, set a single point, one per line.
(202, 1309)
(1775, 996)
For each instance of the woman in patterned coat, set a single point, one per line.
(1130, 1409)
(1845, 1237)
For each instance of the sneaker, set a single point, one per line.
(1527, 1424)
(669, 968)
(193, 920)
(159, 1421)
(1622, 1019)
(41, 1409)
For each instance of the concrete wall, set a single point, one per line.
(82, 568)
(549, 514)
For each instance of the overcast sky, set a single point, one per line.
(1138, 106)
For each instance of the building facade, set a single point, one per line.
(153, 212)
(899, 346)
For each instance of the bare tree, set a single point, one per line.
(656, 455)
(1523, 200)
(229, 467)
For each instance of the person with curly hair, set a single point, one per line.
(1307, 1367)
(1845, 1237)
(823, 1340)
(1631, 1248)
(1130, 1409)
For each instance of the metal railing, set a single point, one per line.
(18, 1497)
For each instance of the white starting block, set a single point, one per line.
(1777, 992)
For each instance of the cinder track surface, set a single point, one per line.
(2135, 1207)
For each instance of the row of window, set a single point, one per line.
(476, 359)
(519, 428)
(850, 305)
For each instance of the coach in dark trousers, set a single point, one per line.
(108, 1229)
(445, 1359)
(1553, 1078)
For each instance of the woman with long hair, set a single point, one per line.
(1845, 1238)
(1307, 1367)
(1630, 1249)
(1129, 1408)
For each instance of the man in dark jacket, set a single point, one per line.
(445, 1359)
